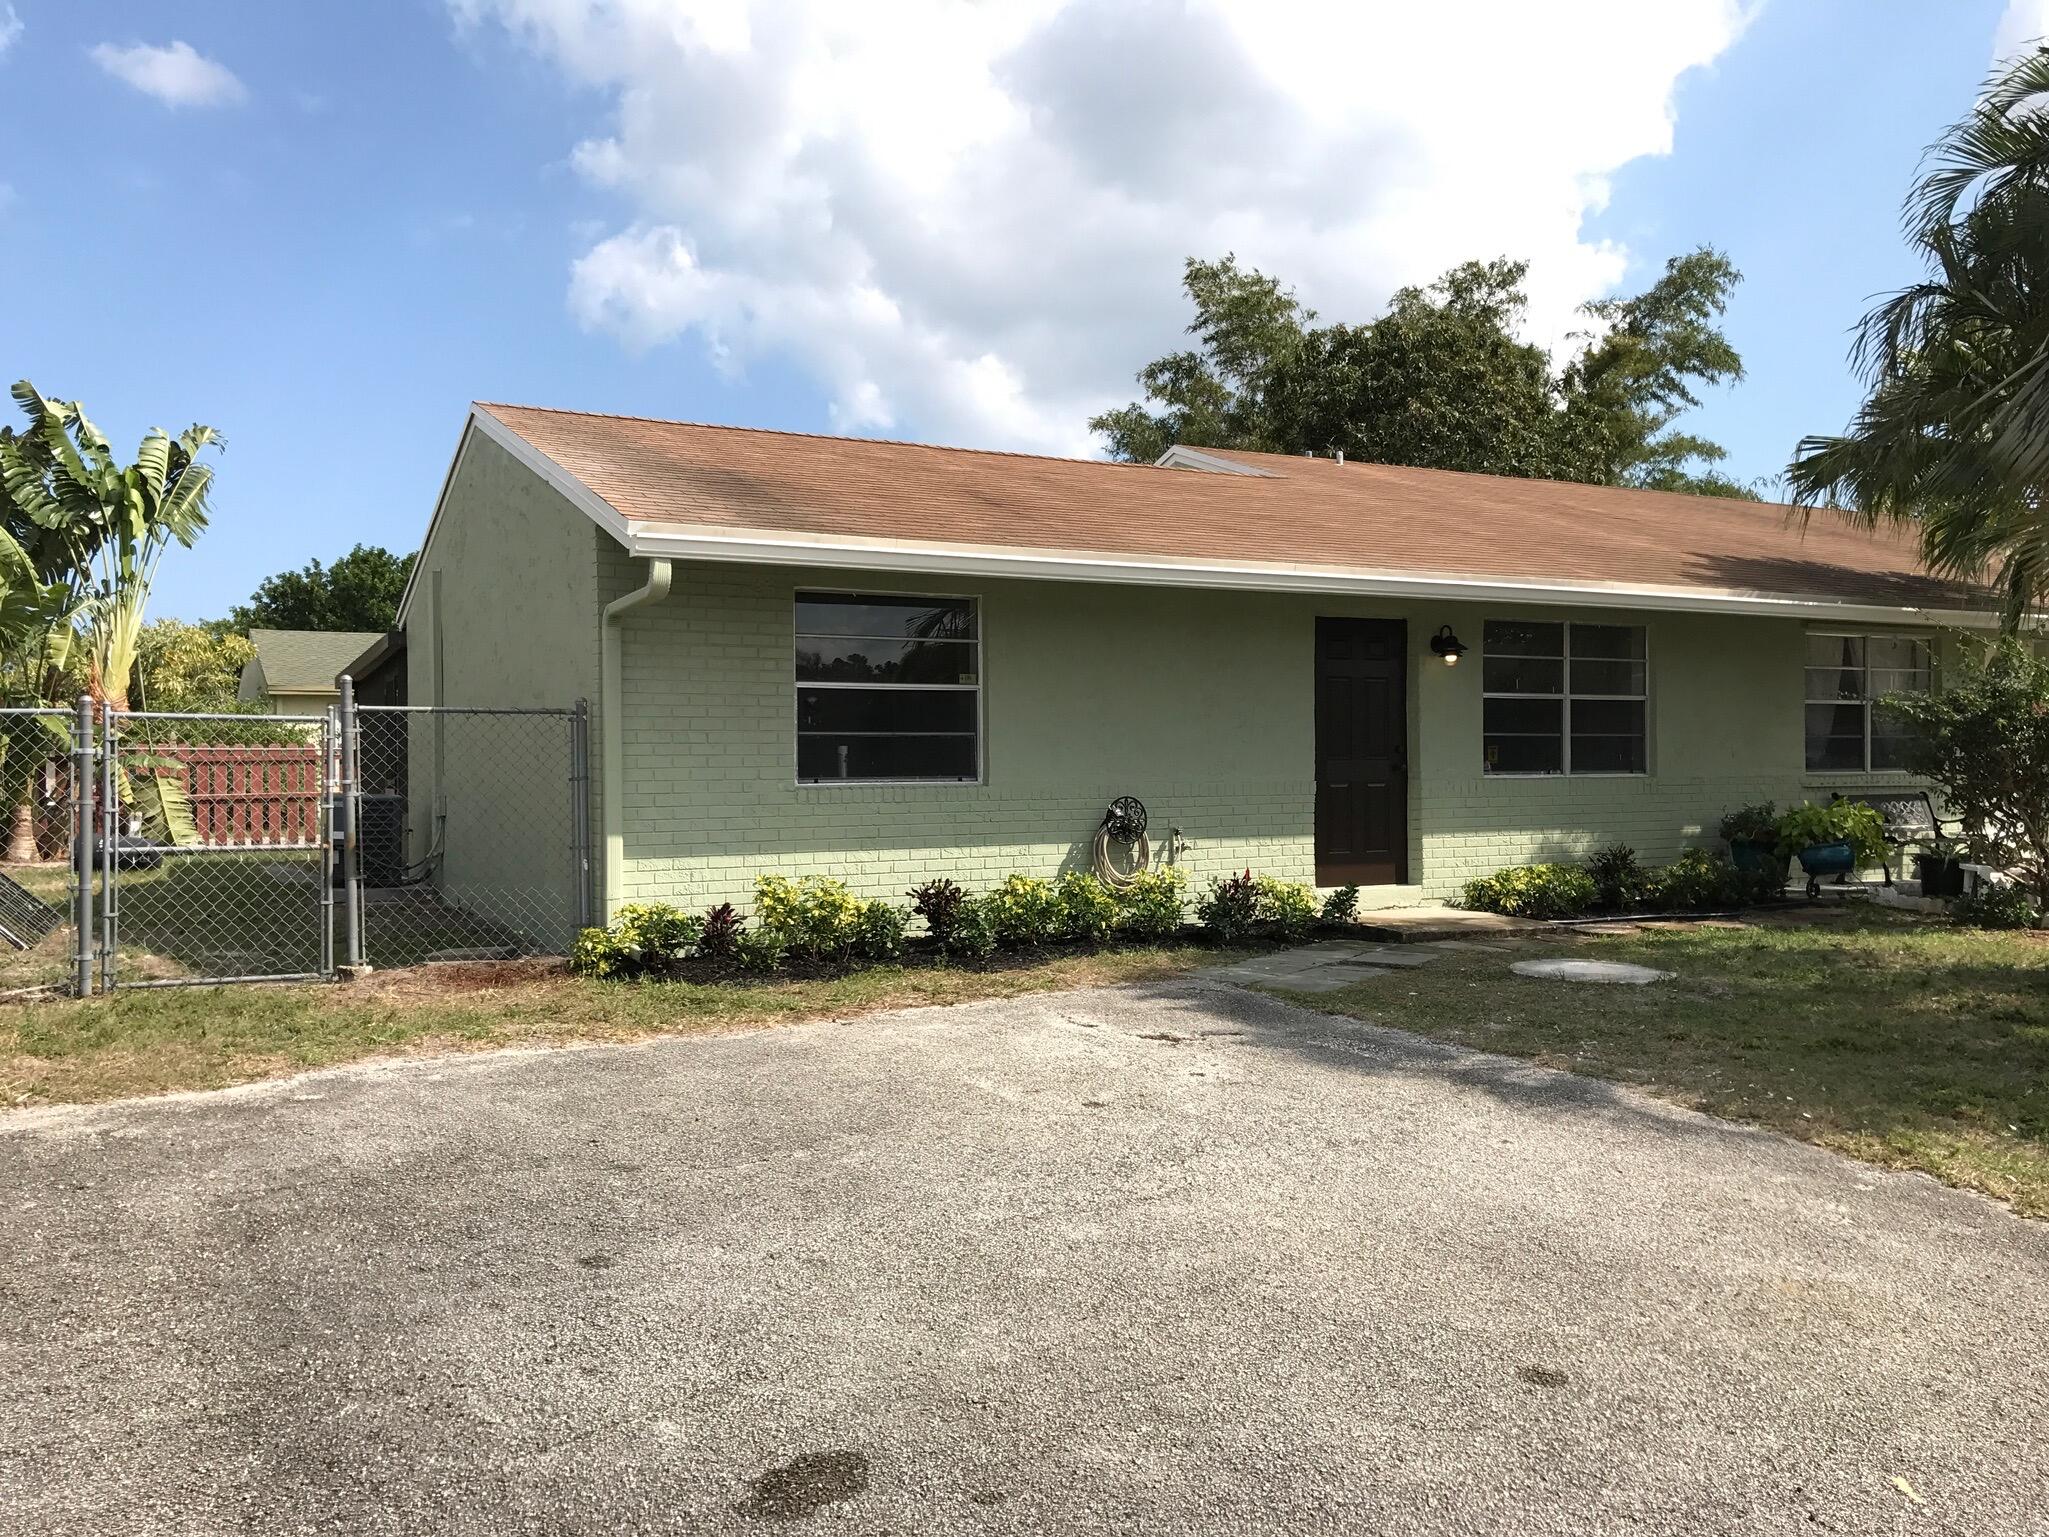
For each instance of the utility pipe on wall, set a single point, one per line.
(611, 672)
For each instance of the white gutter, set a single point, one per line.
(672, 542)
(612, 686)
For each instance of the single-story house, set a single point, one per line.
(294, 672)
(891, 661)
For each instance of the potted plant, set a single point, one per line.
(1752, 833)
(1838, 839)
(1941, 873)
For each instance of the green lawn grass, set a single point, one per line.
(1901, 1041)
(147, 1042)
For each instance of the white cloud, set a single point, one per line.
(2024, 24)
(176, 75)
(10, 26)
(967, 220)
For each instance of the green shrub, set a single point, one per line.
(598, 953)
(1995, 905)
(1024, 911)
(1851, 822)
(649, 939)
(1088, 911)
(1532, 891)
(1696, 881)
(939, 904)
(1288, 908)
(815, 919)
(1983, 738)
(1149, 906)
(758, 950)
(1230, 908)
(1755, 823)
(972, 935)
(1618, 878)
(879, 931)
(1342, 905)
(656, 934)
(1699, 881)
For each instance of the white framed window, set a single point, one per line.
(1846, 673)
(1564, 698)
(889, 688)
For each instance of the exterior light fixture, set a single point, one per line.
(1448, 647)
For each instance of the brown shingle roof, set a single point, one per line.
(1299, 513)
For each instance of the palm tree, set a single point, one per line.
(103, 523)
(1953, 437)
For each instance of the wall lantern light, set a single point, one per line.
(1449, 647)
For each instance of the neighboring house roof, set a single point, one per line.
(300, 661)
(1264, 521)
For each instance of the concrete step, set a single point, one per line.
(1433, 920)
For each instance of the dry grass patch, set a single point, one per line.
(1900, 1041)
(151, 1042)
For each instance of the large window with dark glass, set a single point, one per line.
(1846, 675)
(1562, 698)
(888, 688)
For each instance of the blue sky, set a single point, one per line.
(326, 236)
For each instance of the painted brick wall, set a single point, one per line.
(1201, 704)
(1090, 693)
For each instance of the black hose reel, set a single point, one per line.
(1125, 820)
(1123, 824)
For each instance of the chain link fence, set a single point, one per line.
(153, 849)
(472, 837)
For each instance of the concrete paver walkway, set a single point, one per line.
(1332, 964)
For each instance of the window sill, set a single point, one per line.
(879, 784)
(1584, 774)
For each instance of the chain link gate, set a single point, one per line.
(466, 832)
(212, 836)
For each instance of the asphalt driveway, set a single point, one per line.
(1174, 1259)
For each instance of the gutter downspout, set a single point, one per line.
(611, 676)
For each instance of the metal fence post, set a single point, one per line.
(580, 806)
(324, 830)
(110, 844)
(351, 813)
(82, 842)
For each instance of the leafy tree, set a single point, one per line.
(360, 591)
(1984, 738)
(1638, 375)
(1250, 327)
(1442, 379)
(1952, 440)
(182, 666)
(102, 524)
(1439, 381)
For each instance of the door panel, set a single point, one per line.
(1362, 733)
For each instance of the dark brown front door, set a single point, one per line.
(1362, 766)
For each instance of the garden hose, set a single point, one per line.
(1123, 823)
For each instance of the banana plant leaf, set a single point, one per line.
(163, 808)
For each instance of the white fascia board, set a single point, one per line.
(679, 543)
(587, 501)
(1182, 457)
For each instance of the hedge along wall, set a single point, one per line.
(1200, 703)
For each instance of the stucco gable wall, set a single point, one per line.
(504, 614)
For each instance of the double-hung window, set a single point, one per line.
(888, 688)
(1845, 675)
(1562, 698)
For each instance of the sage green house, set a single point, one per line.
(293, 671)
(890, 662)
